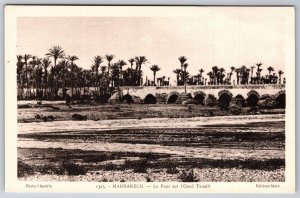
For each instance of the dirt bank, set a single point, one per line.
(60, 112)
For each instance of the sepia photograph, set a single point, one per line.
(127, 95)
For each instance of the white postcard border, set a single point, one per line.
(12, 184)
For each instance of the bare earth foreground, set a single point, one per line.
(149, 143)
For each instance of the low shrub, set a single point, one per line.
(48, 118)
(24, 169)
(110, 166)
(172, 170)
(236, 110)
(188, 176)
(138, 166)
(24, 106)
(38, 116)
(51, 169)
(148, 179)
(73, 169)
(76, 116)
(105, 180)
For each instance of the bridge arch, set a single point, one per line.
(225, 97)
(253, 92)
(253, 98)
(172, 97)
(127, 99)
(199, 96)
(240, 100)
(150, 99)
(211, 100)
(280, 99)
(240, 97)
(279, 93)
(225, 92)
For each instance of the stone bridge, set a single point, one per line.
(200, 93)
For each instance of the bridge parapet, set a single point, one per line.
(249, 86)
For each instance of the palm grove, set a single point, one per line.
(44, 77)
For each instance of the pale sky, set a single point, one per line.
(223, 37)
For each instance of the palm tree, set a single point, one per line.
(97, 62)
(270, 69)
(109, 58)
(121, 63)
(252, 68)
(247, 75)
(34, 72)
(131, 61)
(56, 52)
(26, 59)
(185, 65)
(103, 68)
(215, 70)
(46, 64)
(177, 72)
(155, 69)
(163, 80)
(259, 78)
(140, 60)
(38, 75)
(62, 74)
(258, 69)
(238, 70)
(20, 65)
(221, 74)
(182, 60)
(200, 76)
(103, 79)
(72, 59)
(232, 68)
(210, 74)
(244, 74)
(78, 75)
(280, 73)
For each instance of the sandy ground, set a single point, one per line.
(60, 126)
(202, 144)
(34, 102)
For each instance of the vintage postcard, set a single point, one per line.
(193, 99)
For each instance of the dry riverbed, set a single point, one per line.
(149, 143)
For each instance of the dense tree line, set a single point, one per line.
(44, 77)
(217, 76)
